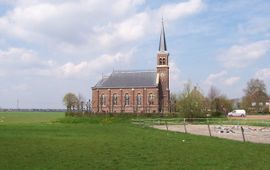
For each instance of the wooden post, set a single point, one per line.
(166, 125)
(242, 129)
(209, 129)
(185, 125)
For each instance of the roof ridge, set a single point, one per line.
(128, 71)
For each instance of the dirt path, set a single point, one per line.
(257, 117)
(253, 134)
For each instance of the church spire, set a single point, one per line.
(162, 41)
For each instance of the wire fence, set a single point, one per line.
(246, 130)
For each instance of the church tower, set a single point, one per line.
(163, 73)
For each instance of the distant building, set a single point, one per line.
(136, 91)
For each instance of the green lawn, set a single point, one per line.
(114, 143)
(29, 117)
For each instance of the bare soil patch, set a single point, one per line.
(257, 117)
(253, 134)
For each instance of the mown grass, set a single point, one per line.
(115, 143)
(29, 117)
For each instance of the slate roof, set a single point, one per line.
(128, 79)
(162, 40)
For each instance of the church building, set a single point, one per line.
(144, 91)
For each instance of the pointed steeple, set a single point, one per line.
(162, 41)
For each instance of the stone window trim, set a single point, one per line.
(126, 99)
(139, 99)
(114, 99)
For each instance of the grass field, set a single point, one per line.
(114, 143)
(29, 117)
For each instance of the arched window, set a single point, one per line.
(139, 99)
(151, 99)
(114, 99)
(102, 100)
(164, 61)
(160, 61)
(126, 99)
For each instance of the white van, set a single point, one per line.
(241, 113)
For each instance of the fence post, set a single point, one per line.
(242, 129)
(166, 123)
(185, 125)
(209, 129)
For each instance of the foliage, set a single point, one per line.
(70, 101)
(255, 96)
(191, 102)
(219, 105)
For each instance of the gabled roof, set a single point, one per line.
(128, 79)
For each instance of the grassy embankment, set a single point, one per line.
(114, 143)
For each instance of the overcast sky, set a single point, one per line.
(51, 47)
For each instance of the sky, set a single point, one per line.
(51, 47)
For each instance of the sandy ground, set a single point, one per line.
(253, 134)
(257, 117)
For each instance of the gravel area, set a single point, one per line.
(253, 134)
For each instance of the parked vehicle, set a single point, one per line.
(241, 113)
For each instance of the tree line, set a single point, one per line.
(192, 103)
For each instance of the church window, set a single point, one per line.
(114, 99)
(164, 61)
(102, 100)
(126, 99)
(139, 99)
(151, 99)
(160, 61)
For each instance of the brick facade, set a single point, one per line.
(146, 103)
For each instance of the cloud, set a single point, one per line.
(231, 81)
(255, 25)
(176, 10)
(19, 61)
(177, 82)
(88, 23)
(263, 74)
(104, 63)
(240, 56)
(215, 78)
(221, 78)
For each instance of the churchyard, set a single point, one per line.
(50, 140)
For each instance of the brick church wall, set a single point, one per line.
(120, 106)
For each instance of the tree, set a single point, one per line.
(80, 104)
(70, 101)
(191, 102)
(255, 96)
(173, 100)
(218, 104)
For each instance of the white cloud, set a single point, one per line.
(256, 25)
(89, 23)
(104, 63)
(231, 81)
(177, 10)
(263, 74)
(240, 56)
(18, 61)
(175, 78)
(213, 79)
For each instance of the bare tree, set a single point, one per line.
(213, 93)
(80, 104)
